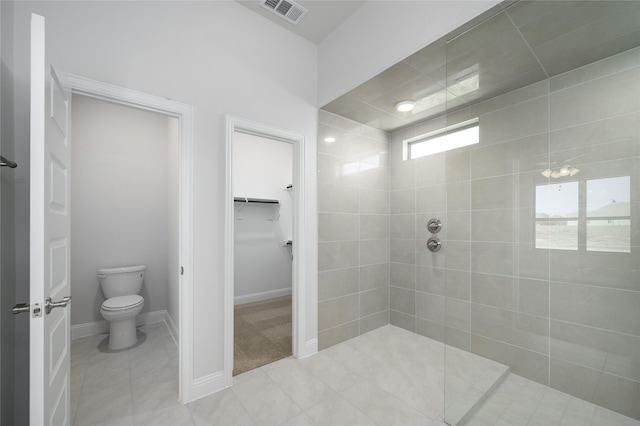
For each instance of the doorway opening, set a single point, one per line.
(124, 212)
(294, 192)
(179, 122)
(263, 250)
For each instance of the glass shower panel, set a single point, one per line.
(595, 288)
(497, 217)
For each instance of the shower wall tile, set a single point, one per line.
(532, 262)
(374, 226)
(517, 121)
(457, 338)
(457, 255)
(374, 276)
(335, 335)
(403, 300)
(330, 171)
(457, 314)
(337, 283)
(403, 275)
(403, 226)
(609, 309)
(517, 156)
(609, 391)
(337, 199)
(533, 297)
(614, 353)
(431, 199)
(595, 134)
(374, 201)
(374, 321)
(403, 251)
(430, 329)
(374, 251)
(374, 301)
(492, 193)
(430, 170)
(403, 176)
(498, 291)
(525, 331)
(338, 311)
(431, 280)
(493, 225)
(403, 201)
(376, 178)
(430, 307)
(612, 65)
(458, 226)
(337, 255)
(338, 227)
(458, 165)
(458, 196)
(353, 229)
(528, 364)
(458, 284)
(575, 105)
(600, 269)
(408, 322)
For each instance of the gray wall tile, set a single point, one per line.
(341, 282)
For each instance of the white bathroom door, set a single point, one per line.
(49, 334)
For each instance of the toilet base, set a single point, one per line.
(122, 334)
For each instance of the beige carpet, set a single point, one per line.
(262, 333)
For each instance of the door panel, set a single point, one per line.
(49, 239)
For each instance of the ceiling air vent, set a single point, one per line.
(289, 10)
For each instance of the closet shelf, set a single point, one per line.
(255, 200)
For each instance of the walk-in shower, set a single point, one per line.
(536, 265)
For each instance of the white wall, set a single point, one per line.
(262, 168)
(119, 201)
(173, 221)
(380, 34)
(191, 52)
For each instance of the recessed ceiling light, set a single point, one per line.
(405, 106)
(329, 139)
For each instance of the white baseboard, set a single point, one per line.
(98, 327)
(263, 295)
(173, 329)
(207, 385)
(309, 348)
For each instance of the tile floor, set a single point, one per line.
(376, 378)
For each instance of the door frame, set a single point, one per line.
(300, 347)
(184, 113)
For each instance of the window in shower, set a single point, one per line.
(451, 137)
(600, 222)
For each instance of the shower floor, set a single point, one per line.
(410, 367)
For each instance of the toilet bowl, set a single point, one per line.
(123, 303)
(121, 313)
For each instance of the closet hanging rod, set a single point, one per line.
(7, 163)
(255, 200)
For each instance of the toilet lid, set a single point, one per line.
(122, 302)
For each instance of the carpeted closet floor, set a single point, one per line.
(262, 333)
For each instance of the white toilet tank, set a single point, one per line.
(121, 281)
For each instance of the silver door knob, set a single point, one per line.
(49, 305)
(20, 308)
(434, 244)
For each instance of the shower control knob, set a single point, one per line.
(434, 244)
(434, 225)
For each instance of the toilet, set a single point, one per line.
(121, 287)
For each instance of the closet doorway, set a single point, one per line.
(262, 174)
